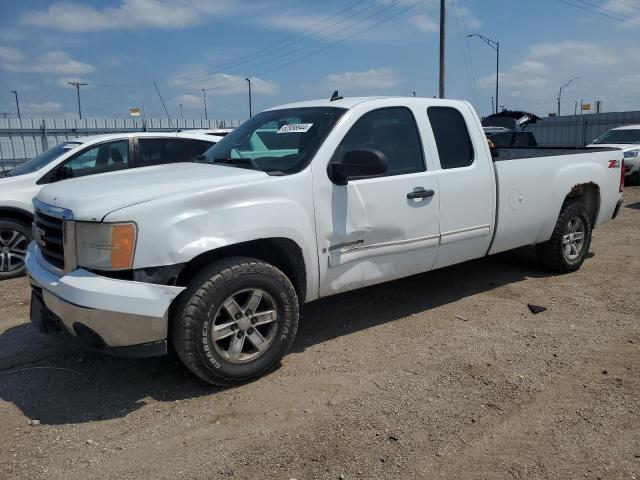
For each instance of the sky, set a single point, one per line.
(298, 50)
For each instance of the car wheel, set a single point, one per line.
(14, 239)
(235, 321)
(569, 244)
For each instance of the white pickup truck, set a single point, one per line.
(301, 202)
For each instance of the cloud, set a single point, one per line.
(533, 82)
(189, 101)
(374, 78)
(576, 52)
(424, 22)
(130, 14)
(40, 108)
(54, 62)
(222, 83)
(10, 55)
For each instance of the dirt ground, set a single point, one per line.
(441, 375)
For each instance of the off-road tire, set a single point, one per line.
(9, 224)
(550, 253)
(193, 312)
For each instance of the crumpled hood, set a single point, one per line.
(93, 197)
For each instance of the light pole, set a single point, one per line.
(78, 85)
(443, 16)
(250, 112)
(492, 107)
(562, 87)
(204, 99)
(17, 103)
(496, 47)
(181, 115)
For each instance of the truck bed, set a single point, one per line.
(532, 189)
(501, 154)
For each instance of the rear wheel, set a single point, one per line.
(14, 239)
(235, 321)
(569, 244)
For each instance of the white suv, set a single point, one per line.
(627, 139)
(78, 158)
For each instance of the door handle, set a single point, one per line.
(420, 193)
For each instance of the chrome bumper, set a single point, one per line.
(122, 313)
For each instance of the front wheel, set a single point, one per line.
(235, 320)
(569, 244)
(14, 239)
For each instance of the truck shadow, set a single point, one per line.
(61, 384)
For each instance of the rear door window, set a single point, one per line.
(452, 137)
(158, 151)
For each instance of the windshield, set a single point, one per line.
(45, 158)
(627, 136)
(279, 142)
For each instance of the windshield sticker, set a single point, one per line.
(295, 128)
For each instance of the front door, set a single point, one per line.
(377, 229)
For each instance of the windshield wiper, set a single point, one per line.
(238, 162)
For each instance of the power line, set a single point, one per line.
(465, 46)
(253, 65)
(599, 7)
(620, 2)
(619, 19)
(281, 44)
(342, 40)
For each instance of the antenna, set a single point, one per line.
(336, 96)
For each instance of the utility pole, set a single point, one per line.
(493, 110)
(181, 116)
(496, 46)
(562, 87)
(442, 39)
(17, 103)
(250, 112)
(204, 99)
(78, 85)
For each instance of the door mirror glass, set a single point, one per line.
(360, 163)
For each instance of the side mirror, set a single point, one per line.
(354, 164)
(62, 173)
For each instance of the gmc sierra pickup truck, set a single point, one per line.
(300, 202)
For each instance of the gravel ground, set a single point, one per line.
(441, 375)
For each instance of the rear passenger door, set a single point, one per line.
(467, 185)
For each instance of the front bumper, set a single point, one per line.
(116, 316)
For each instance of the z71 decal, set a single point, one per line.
(614, 163)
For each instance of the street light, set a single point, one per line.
(249, 80)
(78, 85)
(562, 87)
(496, 47)
(204, 99)
(17, 103)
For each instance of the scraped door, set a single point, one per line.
(377, 229)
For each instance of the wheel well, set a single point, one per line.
(16, 214)
(589, 194)
(282, 253)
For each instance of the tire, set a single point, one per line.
(213, 353)
(556, 254)
(14, 239)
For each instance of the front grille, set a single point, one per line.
(49, 237)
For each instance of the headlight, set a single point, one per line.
(632, 153)
(105, 246)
